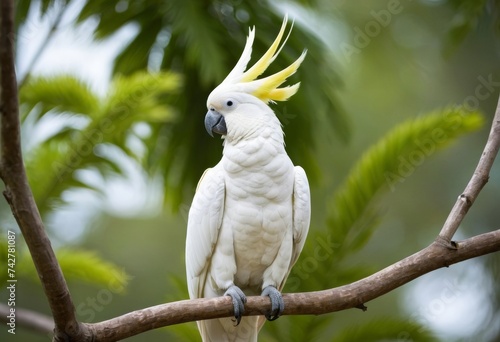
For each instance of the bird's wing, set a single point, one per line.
(301, 213)
(204, 222)
(301, 218)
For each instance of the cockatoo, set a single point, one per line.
(250, 215)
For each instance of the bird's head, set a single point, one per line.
(240, 101)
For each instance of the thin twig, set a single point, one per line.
(52, 30)
(28, 319)
(478, 180)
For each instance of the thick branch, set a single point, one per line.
(478, 180)
(17, 190)
(312, 303)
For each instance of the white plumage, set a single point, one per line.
(250, 215)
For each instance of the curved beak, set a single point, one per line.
(214, 123)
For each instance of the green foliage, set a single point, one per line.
(352, 220)
(468, 13)
(54, 163)
(77, 265)
(387, 164)
(202, 40)
(61, 93)
(351, 216)
(87, 266)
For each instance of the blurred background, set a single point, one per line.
(113, 99)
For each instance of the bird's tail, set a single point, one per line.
(224, 330)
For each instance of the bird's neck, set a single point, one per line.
(257, 146)
(250, 127)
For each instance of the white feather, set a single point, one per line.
(248, 221)
(250, 215)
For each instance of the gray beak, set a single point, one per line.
(214, 123)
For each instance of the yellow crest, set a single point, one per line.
(267, 89)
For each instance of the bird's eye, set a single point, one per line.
(212, 109)
(229, 103)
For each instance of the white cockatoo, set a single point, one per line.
(250, 215)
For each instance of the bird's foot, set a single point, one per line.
(277, 304)
(239, 300)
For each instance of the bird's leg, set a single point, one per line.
(277, 304)
(239, 300)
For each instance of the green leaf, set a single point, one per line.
(202, 40)
(352, 218)
(468, 13)
(87, 266)
(135, 56)
(62, 93)
(77, 265)
(389, 162)
(134, 96)
(200, 37)
(51, 166)
(83, 266)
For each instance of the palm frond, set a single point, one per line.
(389, 162)
(58, 93)
(87, 266)
(202, 41)
(51, 166)
(77, 265)
(352, 219)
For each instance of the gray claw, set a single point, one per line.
(239, 300)
(277, 304)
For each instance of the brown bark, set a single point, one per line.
(441, 253)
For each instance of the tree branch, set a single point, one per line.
(311, 303)
(441, 253)
(29, 319)
(53, 29)
(477, 182)
(17, 191)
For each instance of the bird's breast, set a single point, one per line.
(258, 209)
